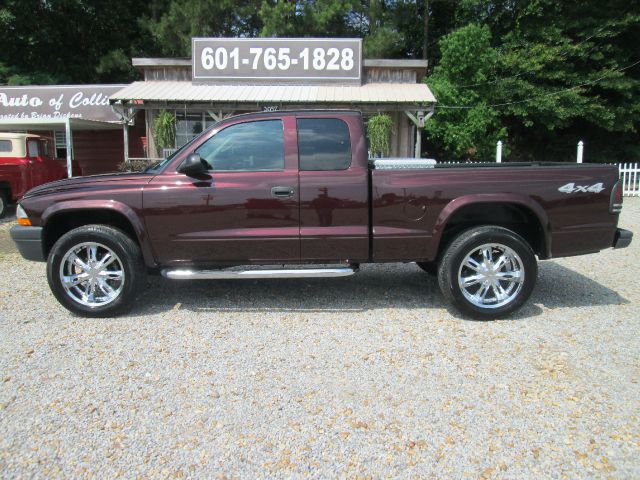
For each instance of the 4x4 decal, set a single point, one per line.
(573, 188)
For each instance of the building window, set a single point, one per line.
(189, 125)
(61, 144)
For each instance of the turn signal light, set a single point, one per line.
(22, 217)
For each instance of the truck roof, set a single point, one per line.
(16, 136)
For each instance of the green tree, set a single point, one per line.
(68, 41)
(565, 71)
(461, 133)
(173, 23)
(317, 18)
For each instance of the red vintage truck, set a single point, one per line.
(26, 161)
(293, 194)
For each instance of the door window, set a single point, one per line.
(32, 148)
(251, 146)
(323, 144)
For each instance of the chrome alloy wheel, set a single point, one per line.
(92, 274)
(491, 275)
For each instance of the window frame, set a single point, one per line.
(349, 165)
(284, 148)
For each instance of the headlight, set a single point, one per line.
(21, 215)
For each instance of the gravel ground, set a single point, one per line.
(367, 376)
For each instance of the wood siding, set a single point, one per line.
(386, 75)
(370, 74)
(101, 151)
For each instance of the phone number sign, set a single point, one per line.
(288, 60)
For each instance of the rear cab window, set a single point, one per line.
(6, 146)
(323, 144)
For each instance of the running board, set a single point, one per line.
(185, 274)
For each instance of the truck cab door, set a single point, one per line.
(37, 169)
(53, 168)
(243, 210)
(334, 211)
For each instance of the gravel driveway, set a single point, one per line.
(367, 376)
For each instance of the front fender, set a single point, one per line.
(119, 208)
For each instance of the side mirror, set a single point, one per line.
(193, 165)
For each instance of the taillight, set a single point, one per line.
(615, 202)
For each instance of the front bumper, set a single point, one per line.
(29, 242)
(622, 238)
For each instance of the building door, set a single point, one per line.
(245, 210)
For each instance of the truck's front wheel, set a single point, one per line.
(96, 271)
(3, 204)
(488, 272)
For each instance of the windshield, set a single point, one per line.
(156, 167)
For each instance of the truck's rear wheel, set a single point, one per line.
(96, 271)
(488, 272)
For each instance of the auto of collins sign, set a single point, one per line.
(90, 102)
(282, 60)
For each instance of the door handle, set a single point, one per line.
(282, 192)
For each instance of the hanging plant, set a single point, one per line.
(164, 129)
(379, 130)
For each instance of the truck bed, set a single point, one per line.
(413, 202)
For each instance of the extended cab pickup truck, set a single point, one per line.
(260, 191)
(26, 161)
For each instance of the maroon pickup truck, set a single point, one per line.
(293, 194)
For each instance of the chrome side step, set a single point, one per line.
(186, 274)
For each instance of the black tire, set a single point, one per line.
(3, 204)
(128, 258)
(430, 267)
(496, 240)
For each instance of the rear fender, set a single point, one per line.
(504, 198)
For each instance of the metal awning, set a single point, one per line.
(184, 91)
(69, 124)
(38, 124)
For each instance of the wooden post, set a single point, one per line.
(125, 131)
(419, 120)
(69, 140)
(499, 152)
(580, 151)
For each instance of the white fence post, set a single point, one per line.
(499, 152)
(629, 176)
(580, 151)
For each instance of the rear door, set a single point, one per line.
(334, 212)
(244, 210)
